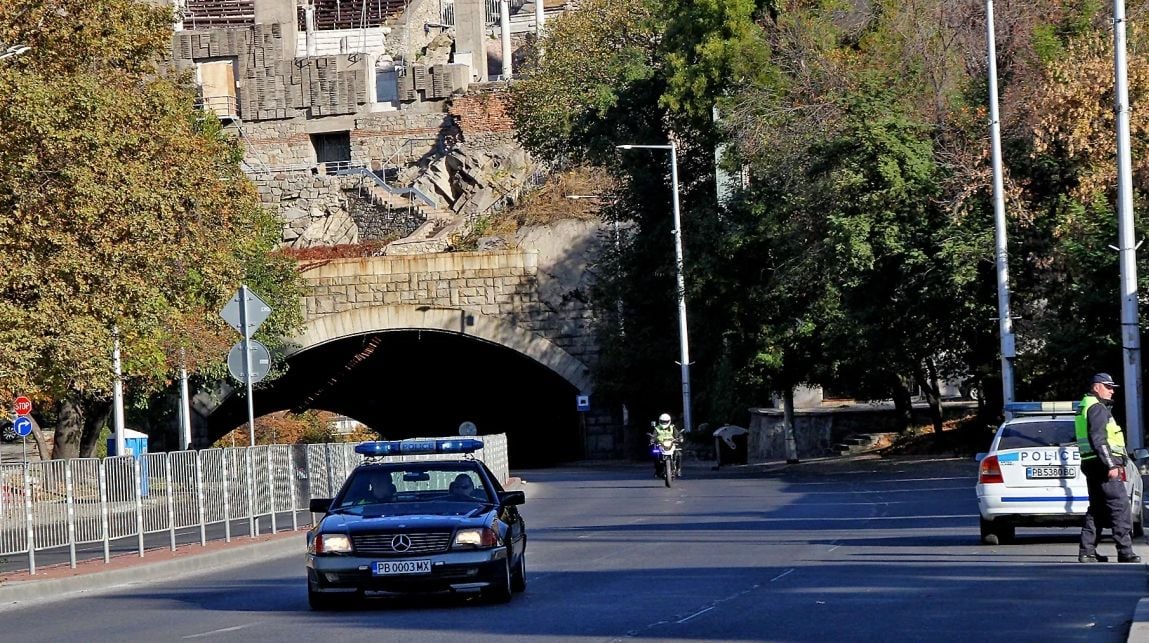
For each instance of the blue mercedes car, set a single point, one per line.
(408, 527)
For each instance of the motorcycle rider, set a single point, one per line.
(661, 430)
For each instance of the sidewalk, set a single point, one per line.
(62, 581)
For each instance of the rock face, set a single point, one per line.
(472, 182)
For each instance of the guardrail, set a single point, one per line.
(61, 504)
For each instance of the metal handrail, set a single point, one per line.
(346, 168)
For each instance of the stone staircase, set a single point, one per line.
(434, 235)
(865, 442)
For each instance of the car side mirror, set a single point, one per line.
(511, 498)
(979, 457)
(319, 505)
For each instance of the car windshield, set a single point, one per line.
(1048, 433)
(413, 482)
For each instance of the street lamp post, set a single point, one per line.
(683, 341)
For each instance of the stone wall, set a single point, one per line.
(273, 84)
(503, 284)
(483, 118)
(376, 138)
(817, 432)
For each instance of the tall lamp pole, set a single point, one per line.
(1005, 322)
(1130, 327)
(683, 341)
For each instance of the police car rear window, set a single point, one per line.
(1037, 434)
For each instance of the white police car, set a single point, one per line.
(443, 525)
(1031, 475)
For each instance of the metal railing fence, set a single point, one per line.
(59, 504)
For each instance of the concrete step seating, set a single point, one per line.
(349, 14)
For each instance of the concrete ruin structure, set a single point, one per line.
(343, 106)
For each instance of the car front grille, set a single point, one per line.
(395, 543)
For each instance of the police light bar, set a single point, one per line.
(1022, 408)
(417, 446)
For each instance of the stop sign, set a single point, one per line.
(23, 405)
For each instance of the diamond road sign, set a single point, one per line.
(257, 312)
(260, 361)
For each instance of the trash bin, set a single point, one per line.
(135, 444)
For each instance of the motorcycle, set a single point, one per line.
(665, 452)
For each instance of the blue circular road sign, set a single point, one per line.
(22, 425)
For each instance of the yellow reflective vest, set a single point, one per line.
(1113, 433)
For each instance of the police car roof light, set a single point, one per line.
(1020, 408)
(417, 446)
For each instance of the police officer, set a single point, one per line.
(665, 429)
(1102, 446)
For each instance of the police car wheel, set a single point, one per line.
(994, 533)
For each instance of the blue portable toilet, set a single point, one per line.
(135, 444)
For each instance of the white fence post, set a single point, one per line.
(71, 514)
(104, 527)
(169, 483)
(28, 519)
(139, 505)
(199, 497)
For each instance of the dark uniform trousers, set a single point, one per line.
(1108, 507)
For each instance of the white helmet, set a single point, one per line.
(664, 419)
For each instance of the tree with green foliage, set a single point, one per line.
(125, 211)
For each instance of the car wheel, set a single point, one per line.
(500, 589)
(995, 534)
(321, 602)
(519, 575)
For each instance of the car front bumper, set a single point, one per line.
(452, 571)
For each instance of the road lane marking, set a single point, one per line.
(222, 630)
(785, 573)
(698, 613)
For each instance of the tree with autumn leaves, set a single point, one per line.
(124, 211)
(860, 255)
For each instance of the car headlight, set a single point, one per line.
(476, 538)
(331, 544)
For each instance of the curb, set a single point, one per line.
(1139, 629)
(13, 593)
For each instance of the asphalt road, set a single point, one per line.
(831, 551)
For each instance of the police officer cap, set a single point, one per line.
(1104, 378)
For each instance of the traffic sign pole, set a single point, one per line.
(243, 311)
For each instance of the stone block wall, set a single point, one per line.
(502, 284)
(375, 138)
(273, 84)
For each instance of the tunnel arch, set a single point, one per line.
(456, 320)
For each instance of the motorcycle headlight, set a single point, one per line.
(668, 443)
(331, 544)
(476, 538)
